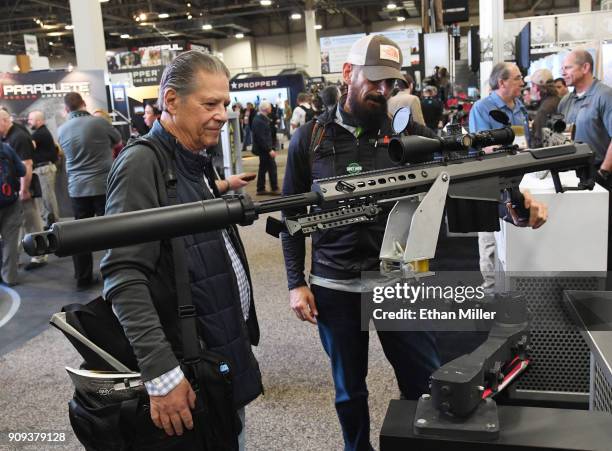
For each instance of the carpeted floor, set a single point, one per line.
(296, 412)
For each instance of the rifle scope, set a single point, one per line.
(418, 149)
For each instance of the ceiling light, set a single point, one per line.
(137, 19)
(239, 35)
(400, 18)
(9, 43)
(189, 16)
(104, 1)
(50, 26)
(188, 5)
(163, 15)
(391, 5)
(55, 33)
(125, 36)
(142, 16)
(69, 27)
(207, 26)
(265, 2)
(318, 27)
(145, 24)
(296, 16)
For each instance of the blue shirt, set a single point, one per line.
(592, 115)
(480, 119)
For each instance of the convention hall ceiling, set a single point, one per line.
(142, 22)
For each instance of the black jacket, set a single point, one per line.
(344, 252)
(139, 279)
(262, 135)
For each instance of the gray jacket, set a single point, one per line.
(87, 142)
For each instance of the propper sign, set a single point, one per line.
(44, 89)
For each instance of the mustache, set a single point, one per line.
(379, 98)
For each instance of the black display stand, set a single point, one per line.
(521, 429)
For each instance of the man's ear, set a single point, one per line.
(347, 72)
(170, 100)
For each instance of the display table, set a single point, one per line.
(521, 429)
(569, 252)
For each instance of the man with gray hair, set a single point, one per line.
(264, 149)
(45, 156)
(506, 83)
(589, 108)
(141, 280)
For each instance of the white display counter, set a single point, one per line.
(575, 237)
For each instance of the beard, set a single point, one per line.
(369, 114)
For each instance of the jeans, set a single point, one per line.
(413, 355)
(86, 207)
(267, 164)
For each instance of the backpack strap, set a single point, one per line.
(317, 133)
(186, 309)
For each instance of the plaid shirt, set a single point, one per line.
(162, 385)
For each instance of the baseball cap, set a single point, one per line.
(380, 57)
(540, 77)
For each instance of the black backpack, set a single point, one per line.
(310, 114)
(9, 182)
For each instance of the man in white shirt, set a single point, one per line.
(302, 113)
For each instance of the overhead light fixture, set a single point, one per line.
(142, 16)
(239, 35)
(104, 1)
(69, 27)
(50, 26)
(391, 5)
(188, 5)
(163, 15)
(318, 27)
(189, 17)
(207, 26)
(265, 2)
(9, 43)
(296, 16)
(55, 33)
(145, 24)
(125, 36)
(400, 18)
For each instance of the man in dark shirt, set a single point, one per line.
(263, 147)
(432, 108)
(21, 142)
(543, 91)
(44, 158)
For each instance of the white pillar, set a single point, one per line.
(491, 39)
(585, 6)
(88, 34)
(313, 52)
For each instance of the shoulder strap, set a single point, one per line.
(317, 132)
(186, 309)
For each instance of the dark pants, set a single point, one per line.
(86, 207)
(267, 164)
(413, 355)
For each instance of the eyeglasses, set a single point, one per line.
(517, 78)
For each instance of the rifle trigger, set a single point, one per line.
(345, 187)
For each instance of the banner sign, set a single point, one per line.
(45, 91)
(154, 55)
(293, 82)
(334, 50)
(143, 76)
(31, 44)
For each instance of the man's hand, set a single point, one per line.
(25, 195)
(240, 180)
(272, 154)
(538, 211)
(172, 411)
(302, 302)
